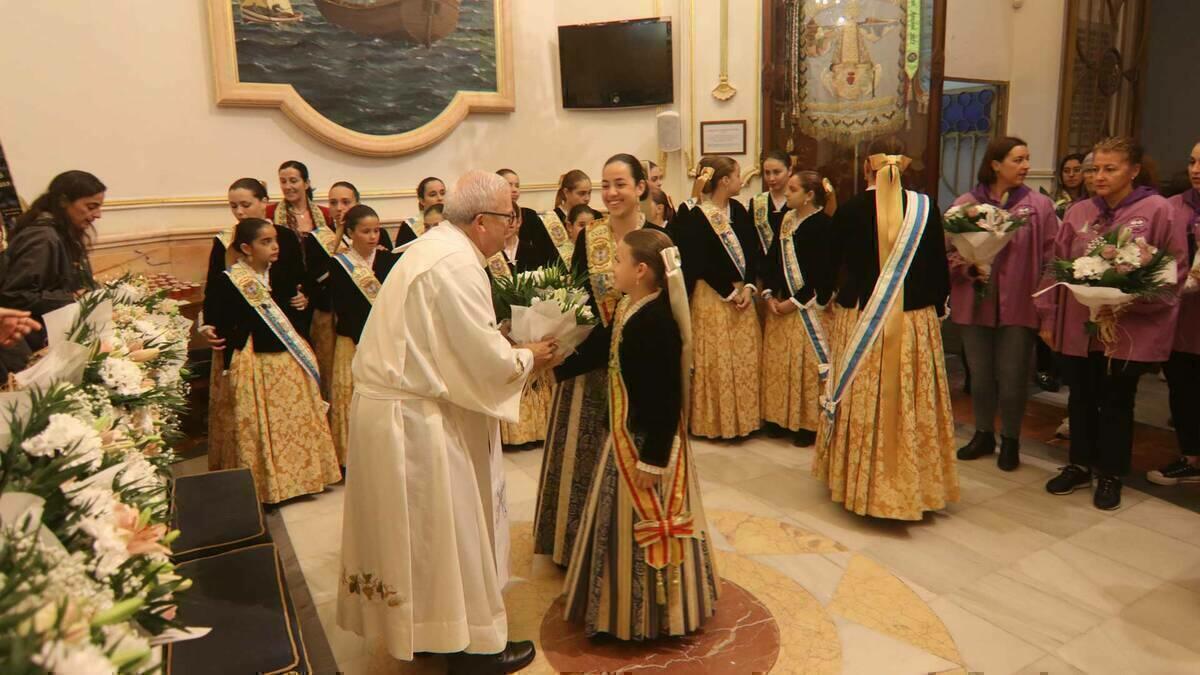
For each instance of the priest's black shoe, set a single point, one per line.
(515, 657)
(981, 445)
(1010, 454)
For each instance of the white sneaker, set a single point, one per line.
(1064, 430)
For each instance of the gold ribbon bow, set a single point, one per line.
(889, 212)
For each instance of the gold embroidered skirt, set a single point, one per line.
(727, 343)
(535, 409)
(341, 391)
(610, 588)
(898, 478)
(221, 443)
(576, 436)
(281, 431)
(323, 339)
(791, 384)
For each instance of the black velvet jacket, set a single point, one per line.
(811, 240)
(650, 353)
(535, 248)
(287, 276)
(349, 305)
(854, 258)
(704, 256)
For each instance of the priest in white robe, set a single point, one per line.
(425, 536)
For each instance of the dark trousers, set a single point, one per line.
(1047, 360)
(1101, 410)
(1183, 380)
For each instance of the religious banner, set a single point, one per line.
(10, 203)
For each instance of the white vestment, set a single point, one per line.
(424, 531)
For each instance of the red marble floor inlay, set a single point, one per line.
(742, 638)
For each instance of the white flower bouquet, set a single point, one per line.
(86, 583)
(979, 232)
(546, 302)
(1115, 269)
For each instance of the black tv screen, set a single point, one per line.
(619, 64)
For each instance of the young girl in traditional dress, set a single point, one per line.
(791, 381)
(579, 415)
(890, 447)
(769, 206)
(574, 189)
(999, 330)
(721, 254)
(430, 191)
(578, 219)
(643, 567)
(542, 240)
(280, 430)
(354, 280)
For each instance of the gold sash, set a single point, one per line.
(498, 266)
(360, 273)
(416, 224)
(259, 296)
(762, 220)
(558, 235)
(601, 245)
(723, 228)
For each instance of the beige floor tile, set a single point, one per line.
(519, 485)
(722, 498)
(1028, 473)
(321, 575)
(816, 573)
(347, 646)
(1138, 547)
(734, 466)
(1059, 516)
(937, 563)
(866, 652)
(992, 535)
(522, 511)
(1120, 647)
(977, 485)
(783, 453)
(317, 535)
(1169, 611)
(1097, 583)
(846, 528)
(526, 458)
(1189, 578)
(787, 489)
(1164, 518)
(307, 508)
(1043, 619)
(1050, 665)
(985, 648)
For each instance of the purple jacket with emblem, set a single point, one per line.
(1187, 328)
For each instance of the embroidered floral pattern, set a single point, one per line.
(371, 587)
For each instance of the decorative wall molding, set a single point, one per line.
(233, 92)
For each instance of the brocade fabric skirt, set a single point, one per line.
(727, 344)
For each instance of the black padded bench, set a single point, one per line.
(216, 512)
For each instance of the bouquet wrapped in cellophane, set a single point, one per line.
(547, 302)
(979, 232)
(1115, 269)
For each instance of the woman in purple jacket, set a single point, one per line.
(1104, 386)
(998, 330)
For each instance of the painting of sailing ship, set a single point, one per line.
(378, 67)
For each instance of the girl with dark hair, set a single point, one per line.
(46, 263)
(356, 275)
(1104, 378)
(578, 427)
(278, 419)
(539, 242)
(999, 330)
(887, 440)
(574, 188)
(578, 219)
(769, 206)
(791, 381)
(431, 191)
(661, 211)
(617, 583)
(1183, 367)
(298, 213)
(1069, 187)
(721, 257)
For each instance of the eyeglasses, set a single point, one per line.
(508, 217)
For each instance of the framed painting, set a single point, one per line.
(378, 78)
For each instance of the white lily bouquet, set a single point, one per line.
(979, 232)
(86, 580)
(546, 302)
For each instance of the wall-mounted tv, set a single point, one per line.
(618, 64)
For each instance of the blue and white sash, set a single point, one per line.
(795, 282)
(259, 296)
(361, 274)
(888, 288)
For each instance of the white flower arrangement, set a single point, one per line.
(66, 435)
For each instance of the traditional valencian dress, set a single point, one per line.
(354, 283)
(886, 446)
(768, 218)
(721, 249)
(643, 566)
(286, 276)
(536, 398)
(579, 414)
(410, 229)
(316, 321)
(791, 378)
(279, 428)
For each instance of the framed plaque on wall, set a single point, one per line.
(723, 137)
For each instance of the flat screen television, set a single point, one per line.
(619, 64)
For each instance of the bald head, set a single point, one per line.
(474, 193)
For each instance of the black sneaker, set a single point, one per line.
(1179, 471)
(1047, 382)
(982, 444)
(1010, 454)
(1108, 493)
(1071, 479)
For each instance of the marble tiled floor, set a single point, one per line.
(1010, 580)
